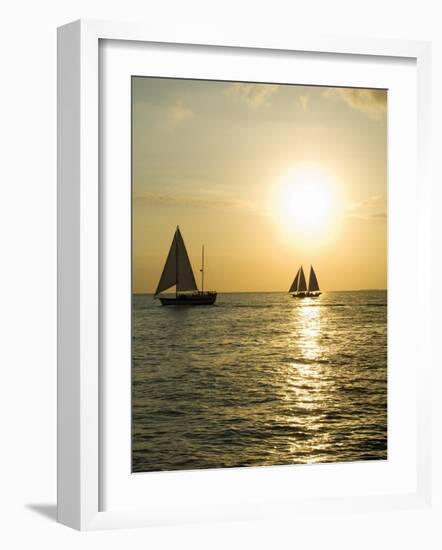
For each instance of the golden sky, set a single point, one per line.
(265, 176)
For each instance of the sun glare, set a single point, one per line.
(306, 202)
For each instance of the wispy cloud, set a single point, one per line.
(178, 113)
(200, 200)
(255, 95)
(373, 208)
(372, 103)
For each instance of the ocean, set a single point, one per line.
(259, 379)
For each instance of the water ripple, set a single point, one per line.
(260, 379)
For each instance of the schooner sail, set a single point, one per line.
(299, 286)
(178, 272)
(302, 287)
(313, 286)
(294, 287)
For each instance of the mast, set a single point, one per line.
(176, 263)
(202, 270)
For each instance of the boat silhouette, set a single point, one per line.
(299, 288)
(178, 272)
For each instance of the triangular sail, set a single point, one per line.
(177, 269)
(186, 278)
(302, 287)
(169, 276)
(294, 286)
(313, 285)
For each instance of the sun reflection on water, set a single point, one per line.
(308, 384)
(306, 379)
(308, 329)
(264, 379)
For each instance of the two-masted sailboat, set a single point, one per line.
(299, 286)
(178, 272)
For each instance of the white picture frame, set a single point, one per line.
(80, 272)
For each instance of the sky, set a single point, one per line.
(267, 177)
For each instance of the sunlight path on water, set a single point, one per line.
(260, 379)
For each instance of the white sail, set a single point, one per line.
(294, 286)
(302, 287)
(313, 285)
(177, 269)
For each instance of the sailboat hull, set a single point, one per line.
(307, 294)
(196, 299)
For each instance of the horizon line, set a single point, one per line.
(281, 291)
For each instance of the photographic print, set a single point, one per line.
(259, 274)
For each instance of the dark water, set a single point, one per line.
(259, 379)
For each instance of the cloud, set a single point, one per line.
(372, 103)
(373, 208)
(204, 199)
(255, 95)
(178, 113)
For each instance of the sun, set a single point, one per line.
(305, 201)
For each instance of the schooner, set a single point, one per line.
(299, 286)
(178, 272)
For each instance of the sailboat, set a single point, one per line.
(178, 272)
(299, 286)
